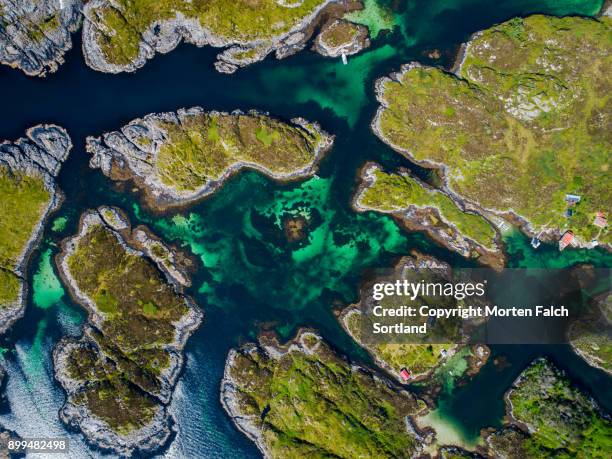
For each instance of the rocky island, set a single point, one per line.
(121, 35)
(520, 129)
(420, 207)
(419, 356)
(35, 34)
(120, 375)
(549, 417)
(28, 194)
(341, 38)
(302, 400)
(177, 158)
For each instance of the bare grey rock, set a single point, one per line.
(35, 34)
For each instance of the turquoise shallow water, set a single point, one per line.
(248, 275)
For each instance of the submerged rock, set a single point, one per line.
(35, 34)
(177, 158)
(121, 35)
(28, 194)
(341, 37)
(419, 207)
(522, 123)
(303, 400)
(120, 375)
(295, 228)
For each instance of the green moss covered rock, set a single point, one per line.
(119, 376)
(303, 400)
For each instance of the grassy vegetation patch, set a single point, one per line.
(23, 200)
(109, 395)
(527, 121)
(125, 285)
(203, 146)
(315, 405)
(10, 285)
(38, 30)
(394, 192)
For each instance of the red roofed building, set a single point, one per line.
(405, 374)
(566, 240)
(600, 220)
